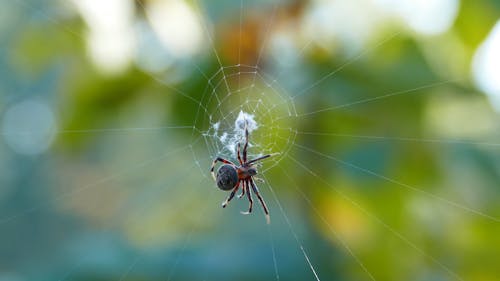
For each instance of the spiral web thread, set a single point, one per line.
(243, 91)
(238, 95)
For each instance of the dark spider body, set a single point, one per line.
(231, 177)
(228, 175)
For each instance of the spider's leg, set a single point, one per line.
(250, 200)
(262, 157)
(255, 179)
(242, 192)
(264, 207)
(218, 159)
(238, 154)
(224, 204)
(245, 147)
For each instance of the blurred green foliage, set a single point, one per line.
(394, 183)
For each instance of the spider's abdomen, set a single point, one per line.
(227, 177)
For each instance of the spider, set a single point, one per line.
(230, 177)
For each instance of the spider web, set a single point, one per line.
(235, 95)
(239, 95)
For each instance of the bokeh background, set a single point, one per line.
(391, 169)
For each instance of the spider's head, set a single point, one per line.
(227, 177)
(252, 171)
